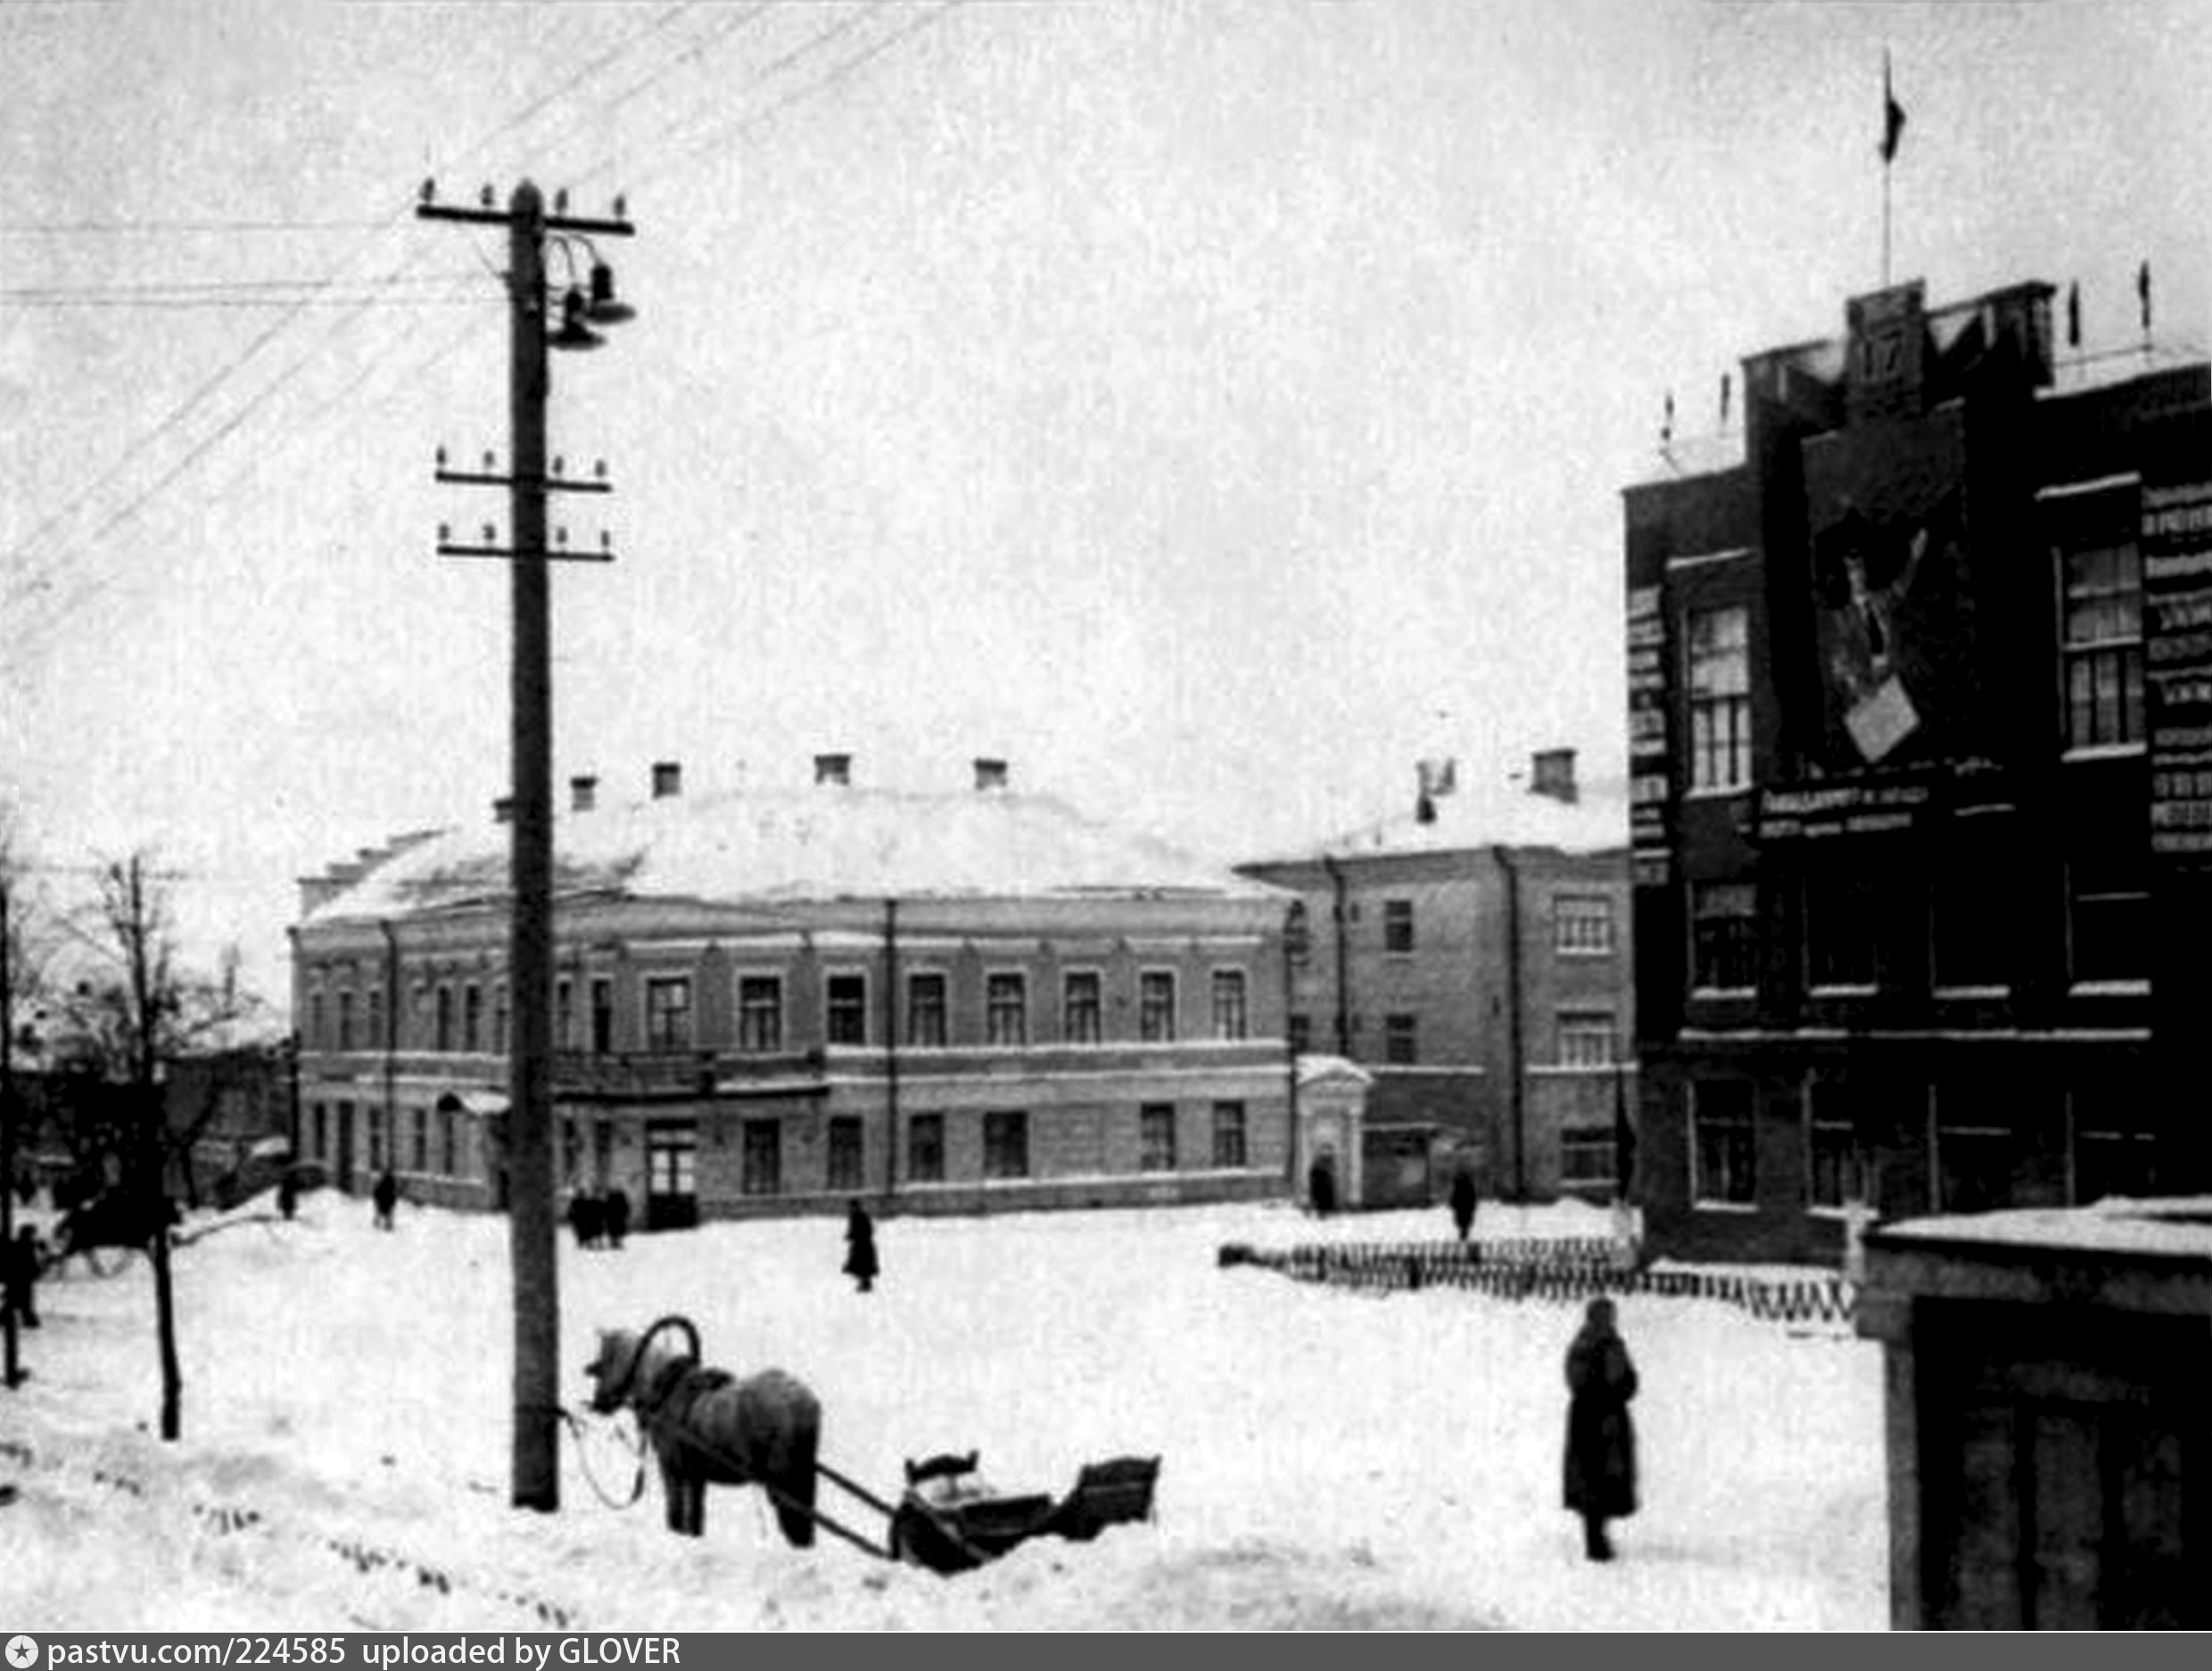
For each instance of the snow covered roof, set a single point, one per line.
(829, 842)
(1477, 814)
(2084, 372)
(2173, 1226)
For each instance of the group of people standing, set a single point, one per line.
(600, 1218)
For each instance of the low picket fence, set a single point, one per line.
(1561, 1270)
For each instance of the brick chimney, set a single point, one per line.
(834, 769)
(583, 793)
(1551, 771)
(990, 774)
(668, 779)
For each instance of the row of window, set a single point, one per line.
(1581, 1038)
(2099, 577)
(1972, 922)
(1581, 927)
(1973, 1165)
(457, 1017)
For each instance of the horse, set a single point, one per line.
(708, 1426)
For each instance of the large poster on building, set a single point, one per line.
(2177, 658)
(1891, 603)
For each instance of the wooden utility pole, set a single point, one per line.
(15, 1370)
(531, 1227)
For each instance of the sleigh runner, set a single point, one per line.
(707, 1425)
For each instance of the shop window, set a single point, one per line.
(1974, 903)
(2116, 1148)
(1586, 1156)
(2108, 916)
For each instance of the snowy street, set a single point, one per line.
(1332, 1460)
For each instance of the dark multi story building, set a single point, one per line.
(1471, 955)
(771, 1001)
(1920, 722)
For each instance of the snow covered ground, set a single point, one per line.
(1332, 1459)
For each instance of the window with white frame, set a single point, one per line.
(668, 1012)
(1717, 645)
(1397, 925)
(845, 1009)
(1840, 1169)
(1156, 1137)
(1581, 925)
(2100, 649)
(1228, 993)
(925, 1009)
(2108, 913)
(1724, 936)
(1006, 1009)
(1586, 1037)
(1156, 1006)
(1081, 1010)
(1723, 1143)
(760, 1014)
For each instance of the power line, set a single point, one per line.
(41, 577)
(162, 228)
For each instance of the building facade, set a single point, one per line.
(773, 1001)
(1920, 722)
(1473, 957)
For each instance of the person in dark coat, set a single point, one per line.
(288, 1194)
(587, 1216)
(859, 1254)
(386, 1195)
(22, 1257)
(1600, 1482)
(615, 1213)
(1463, 1203)
(1321, 1189)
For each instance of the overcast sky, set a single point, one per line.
(1209, 407)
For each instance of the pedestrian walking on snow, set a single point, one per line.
(24, 1260)
(1600, 1476)
(859, 1254)
(1463, 1203)
(386, 1195)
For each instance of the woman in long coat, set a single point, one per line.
(1600, 1482)
(860, 1256)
